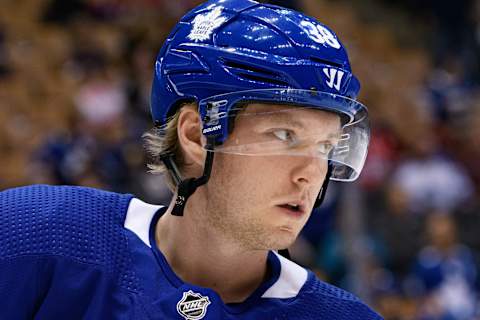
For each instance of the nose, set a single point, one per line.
(309, 171)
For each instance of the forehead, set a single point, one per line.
(307, 119)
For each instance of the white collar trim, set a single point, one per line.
(291, 280)
(138, 219)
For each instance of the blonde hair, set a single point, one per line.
(161, 141)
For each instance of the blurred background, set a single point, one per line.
(75, 82)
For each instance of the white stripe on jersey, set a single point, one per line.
(291, 280)
(138, 219)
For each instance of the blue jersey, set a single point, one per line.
(81, 253)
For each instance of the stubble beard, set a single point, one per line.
(235, 217)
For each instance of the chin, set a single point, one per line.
(283, 239)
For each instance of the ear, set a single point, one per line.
(190, 138)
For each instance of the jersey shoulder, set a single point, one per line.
(299, 294)
(320, 298)
(80, 223)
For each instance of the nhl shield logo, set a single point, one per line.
(193, 306)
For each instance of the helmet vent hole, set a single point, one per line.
(257, 78)
(253, 73)
(245, 67)
(326, 62)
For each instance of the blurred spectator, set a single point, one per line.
(60, 160)
(101, 99)
(446, 272)
(468, 142)
(398, 229)
(430, 180)
(448, 94)
(383, 153)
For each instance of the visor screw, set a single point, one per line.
(206, 119)
(209, 105)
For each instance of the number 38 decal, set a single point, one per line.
(320, 34)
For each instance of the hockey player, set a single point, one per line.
(255, 111)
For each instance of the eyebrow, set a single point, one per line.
(279, 116)
(294, 123)
(286, 119)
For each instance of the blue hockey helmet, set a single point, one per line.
(225, 52)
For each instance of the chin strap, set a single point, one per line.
(185, 188)
(323, 190)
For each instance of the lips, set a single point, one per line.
(296, 208)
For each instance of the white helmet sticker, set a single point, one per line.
(320, 34)
(204, 24)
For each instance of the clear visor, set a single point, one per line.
(273, 130)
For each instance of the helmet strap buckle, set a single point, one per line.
(185, 188)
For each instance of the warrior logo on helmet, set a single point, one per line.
(204, 24)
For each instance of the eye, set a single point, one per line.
(284, 135)
(324, 148)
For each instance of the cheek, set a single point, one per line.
(248, 177)
(244, 181)
(264, 173)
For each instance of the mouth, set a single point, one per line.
(293, 208)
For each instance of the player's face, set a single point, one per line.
(264, 200)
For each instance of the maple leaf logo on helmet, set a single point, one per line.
(205, 24)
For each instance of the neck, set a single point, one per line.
(203, 256)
